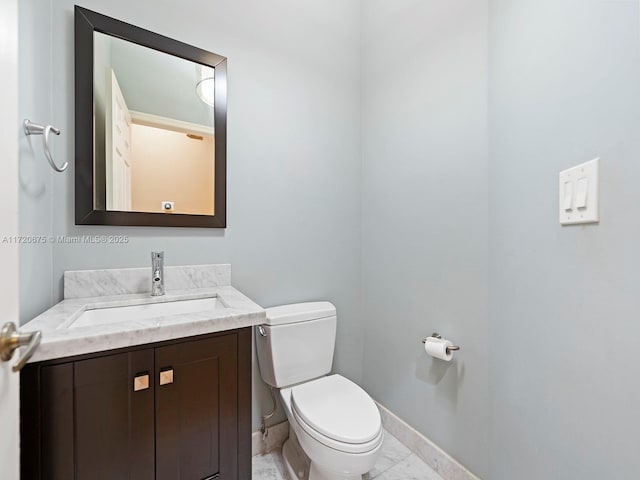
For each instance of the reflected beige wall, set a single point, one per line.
(169, 166)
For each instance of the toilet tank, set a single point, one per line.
(296, 343)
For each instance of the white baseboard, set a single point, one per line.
(443, 463)
(277, 435)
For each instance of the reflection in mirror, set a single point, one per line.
(153, 130)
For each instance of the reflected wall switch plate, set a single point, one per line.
(579, 193)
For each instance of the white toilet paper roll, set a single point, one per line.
(437, 348)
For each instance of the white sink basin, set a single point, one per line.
(103, 316)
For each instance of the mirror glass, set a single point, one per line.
(154, 138)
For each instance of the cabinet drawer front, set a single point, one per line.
(196, 409)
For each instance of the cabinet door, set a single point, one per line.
(46, 422)
(114, 423)
(197, 410)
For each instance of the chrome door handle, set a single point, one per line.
(11, 340)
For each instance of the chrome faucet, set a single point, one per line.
(157, 274)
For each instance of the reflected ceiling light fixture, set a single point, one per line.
(205, 86)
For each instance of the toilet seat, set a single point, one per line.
(337, 413)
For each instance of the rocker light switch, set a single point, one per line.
(568, 195)
(579, 193)
(581, 196)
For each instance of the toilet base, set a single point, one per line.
(317, 473)
(300, 467)
(295, 460)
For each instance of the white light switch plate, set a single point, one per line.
(579, 193)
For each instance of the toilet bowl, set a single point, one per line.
(337, 425)
(334, 423)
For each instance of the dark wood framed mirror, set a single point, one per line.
(150, 128)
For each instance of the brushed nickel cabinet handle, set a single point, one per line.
(166, 376)
(141, 382)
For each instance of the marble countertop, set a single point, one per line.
(58, 340)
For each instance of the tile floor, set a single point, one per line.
(396, 462)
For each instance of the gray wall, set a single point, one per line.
(35, 176)
(425, 216)
(565, 83)
(293, 155)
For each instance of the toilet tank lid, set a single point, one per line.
(299, 312)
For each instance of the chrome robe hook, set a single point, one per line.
(31, 128)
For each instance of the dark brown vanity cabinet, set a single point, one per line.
(178, 410)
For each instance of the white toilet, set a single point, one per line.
(333, 420)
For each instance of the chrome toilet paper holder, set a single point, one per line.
(452, 348)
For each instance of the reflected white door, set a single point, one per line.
(9, 131)
(118, 147)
